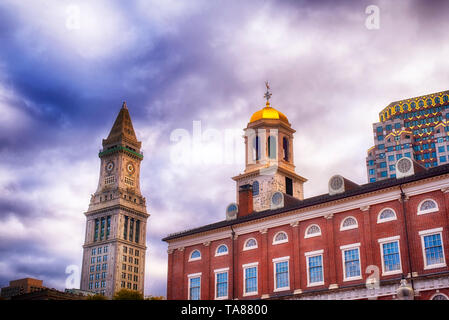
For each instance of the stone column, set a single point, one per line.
(206, 278)
(366, 232)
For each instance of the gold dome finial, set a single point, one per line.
(267, 94)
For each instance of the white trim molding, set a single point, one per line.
(386, 241)
(247, 266)
(275, 242)
(352, 226)
(435, 209)
(312, 254)
(424, 233)
(276, 261)
(343, 250)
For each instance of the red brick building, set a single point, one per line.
(356, 242)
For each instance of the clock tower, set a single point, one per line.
(114, 246)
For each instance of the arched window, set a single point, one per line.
(221, 250)
(439, 296)
(437, 100)
(280, 237)
(312, 231)
(427, 206)
(413, 105)
(446, 98)
(421, 103)
(195, 255)
(256, 148)
(429, 102)
(386, 215)
(285, 148)
(405, 107)
(255, 188)
(348, 223)
(251, 243)
(272, 147)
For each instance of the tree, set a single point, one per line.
(125, 294)
(96, 297)
(155, 298)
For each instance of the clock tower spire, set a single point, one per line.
(114, 247)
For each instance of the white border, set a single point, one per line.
(245, 248)
(194, 259)
(429, 232)
(379, 220)
(276, 261)
(217, 254)
(246, 266)
(280, 241)
(189, 276)
(419, 211)
(317, 234)
(346, 248)
(354, 226)
(386, 241)
(309, 255)
(216, 273)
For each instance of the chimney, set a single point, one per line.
(245, 200)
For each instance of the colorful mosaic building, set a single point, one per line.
(417, 128)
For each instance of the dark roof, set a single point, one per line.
(291, 203)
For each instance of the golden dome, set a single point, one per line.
(268, 113)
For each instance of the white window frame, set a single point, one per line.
(385, 241)
(355, 226)
(276, 261)
(379, 220)
(420, 212)
(245, 248)
(309, 255)
(217, 254)
(247, 266)
(190, 276)
(346, 248)
(216, 272)
(194, 259)
(280, 241)
(317, 234)
(430, 232)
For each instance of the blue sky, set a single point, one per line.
(66, 67)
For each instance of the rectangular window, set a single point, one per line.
(315, 269)
(441, 149)
(250, 280)
(195, 288)
(443, 159)
(383, 164)
(372, 171)
(108, 227)
(137, 231)
(391, 158)
(102, 229)
(407, 154)
(351, 262)
(281, 275)
(131, 229)
(391, 258)
(94, 251)
(97, 224)
(383, 174)
(398, 156)
(381, 146)
(125, 230)
(221, 285)
(432, 248)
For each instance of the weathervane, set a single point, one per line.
(268, 93)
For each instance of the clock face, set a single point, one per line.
(110, 166)
(130, 168)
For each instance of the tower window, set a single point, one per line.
(125, 229)
(285, 148)
(137, 231)
(288, 186)
(272, 147)
(256, 148)
(255, 188)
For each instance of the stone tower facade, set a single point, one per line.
(269, 161)
(114, 246)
